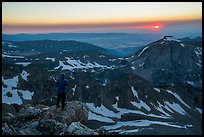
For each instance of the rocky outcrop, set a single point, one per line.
(75, 111)
(44, 120)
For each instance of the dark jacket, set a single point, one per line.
(61, 85)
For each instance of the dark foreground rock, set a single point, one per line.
(44, 120)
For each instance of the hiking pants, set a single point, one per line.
(61, 97)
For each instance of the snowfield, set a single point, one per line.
(77, 64)
(16, 95)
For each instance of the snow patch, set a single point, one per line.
(11, 46)
(77, 64)
(170, 38)
(8, 56)
(134, 92)
(133, 68)
(141, 64)
(74, 89)
(23, 63)
(176, 107)
(87, 87)
(53, 59)
(142, 51)
(158, 90)
(102, 56)
(182, 45)
(24, 75)
(179, 98)
(141, 123)
(97, 117)
(140, 105)
(199, 110)
(16, 95)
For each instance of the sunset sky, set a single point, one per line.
(128, 17)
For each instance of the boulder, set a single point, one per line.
(8, 130)
(76, 128)
(74, 111)
(8, 118)
(28, 112)
(30, 129)
(51, 127)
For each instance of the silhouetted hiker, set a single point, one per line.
(61, 89)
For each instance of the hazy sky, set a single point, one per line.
(43, 17)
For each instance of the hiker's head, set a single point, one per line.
(62, 76)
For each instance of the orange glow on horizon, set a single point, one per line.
(97, 21)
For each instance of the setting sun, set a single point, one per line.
(156, 26)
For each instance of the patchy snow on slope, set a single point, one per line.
(140, 105)
(176, 107)
(179, 98)
(27, 94)
(77, 64)
(23, 63)
(123, 111)
(162, 42)
(97, 117)
(117, 98)
(142, 51)
(170, 38)
(24, 75)
(74, 89)
(134, 92)
(11, 46)
(141, 64)
(190, 82)
(16, 95)
(133, 68)
(112, 60)
(182, 44)
(160, 109)
(158, 90)
(52, 59)
(87, 87)
(85, 56)
(200, 65)
(199, 110)
(140, 123)
(102, 56)
(198, 51)
(9, 56)
(102, 110)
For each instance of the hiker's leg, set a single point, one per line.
(63, 100)
(58, 99)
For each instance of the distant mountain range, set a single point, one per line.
(120, 44)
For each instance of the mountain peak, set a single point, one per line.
(170, 38)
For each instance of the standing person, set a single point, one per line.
(61, 89)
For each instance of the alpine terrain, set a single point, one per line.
(155, 91)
